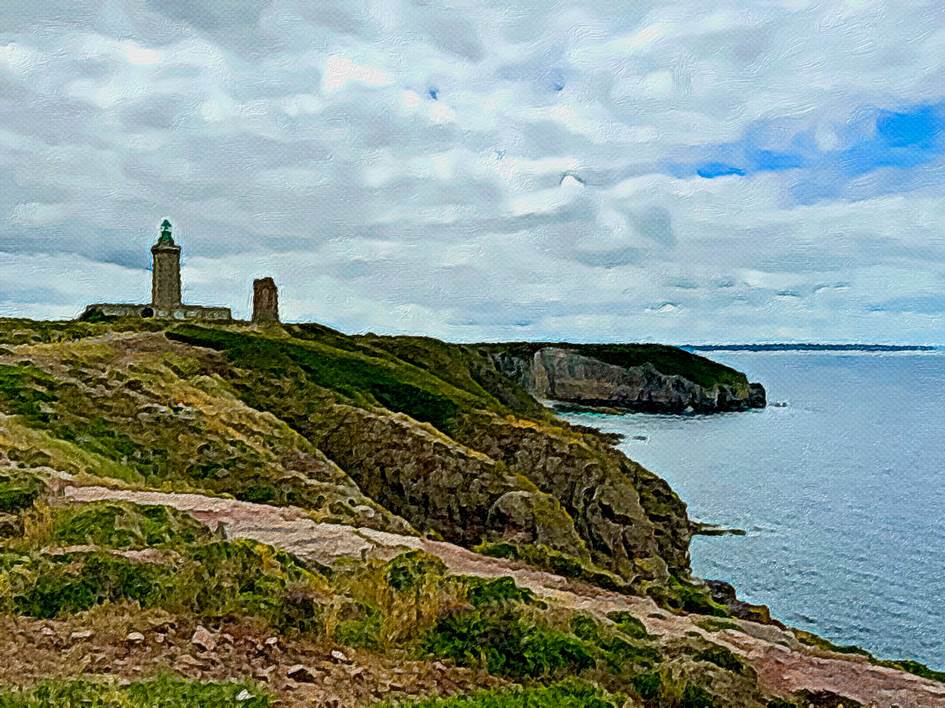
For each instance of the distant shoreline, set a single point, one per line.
(809, 348)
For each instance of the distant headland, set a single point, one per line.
(808, 347)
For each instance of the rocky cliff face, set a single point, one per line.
(570, 376)
(633, 523)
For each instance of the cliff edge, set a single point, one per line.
(636, 377)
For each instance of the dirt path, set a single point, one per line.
(783, 664)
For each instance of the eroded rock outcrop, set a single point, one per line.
(632, 521)
(436, 483)
(569, 375)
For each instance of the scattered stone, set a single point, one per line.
(47, 632)
(265, 674)
(300, 673)
(83, 634)
(243, 695)
(339, 657)
(159, 638)
(10, 525)
(188, 660)
(272, 641)
(203, 639)
(136, 637)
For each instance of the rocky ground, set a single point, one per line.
(783, 664)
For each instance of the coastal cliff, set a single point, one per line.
(646, 378)
(231, 514)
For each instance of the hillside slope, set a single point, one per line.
(209, 486)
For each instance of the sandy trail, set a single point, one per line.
(783, 664)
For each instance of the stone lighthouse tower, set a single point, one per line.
(165, 284)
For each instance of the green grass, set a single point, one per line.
(26, 390)
(164, 691)
(508, 642)
(482, 592)
(354, 375)
(464, 367)
(914, 667)
(18, 490)
(19, 331)
(712, 624)
(721, 657)
(123, 525)
(629, 625)
(410, 570)
(555, 562)
(908, 665)
(212, 581)
(658, 689)
(566, 694)
(681, 596)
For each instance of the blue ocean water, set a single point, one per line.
(841, 491)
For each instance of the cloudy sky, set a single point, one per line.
(594, 170)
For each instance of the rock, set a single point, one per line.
(339, 657)
(191, 661)
(272, 641)
(135, 637)
(266, 673)
(243, 696)
(10, 525)
(47, 632)
(301, 674)
(705, 529)
(572, 375)
(432, 481)
(522, 517)
(724, 594)
(757, 396)
(203, 639)
(83, 634)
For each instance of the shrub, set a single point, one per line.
(553, 561)
(629, 625)
(164, 691)
(507, 641)
(483, 591)
(682, 596)
(122, 525)
(18, 491)
(213, 581)
(566, 694)
(721, 657)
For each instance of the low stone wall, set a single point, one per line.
(182, 312)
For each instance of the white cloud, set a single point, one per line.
(341, 71)
(491, 171)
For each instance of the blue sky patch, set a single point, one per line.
(711, 170)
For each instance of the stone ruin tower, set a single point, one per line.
(165, 283)
(265, 301)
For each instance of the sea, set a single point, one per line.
(839, 485)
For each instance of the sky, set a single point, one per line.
(686, 172)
